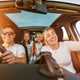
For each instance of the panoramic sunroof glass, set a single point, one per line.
(27, 19)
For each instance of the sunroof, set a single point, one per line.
(26, 19)
(68, 1)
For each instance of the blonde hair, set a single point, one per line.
(45, 34)
(58, 32)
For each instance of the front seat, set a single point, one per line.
(75, 56)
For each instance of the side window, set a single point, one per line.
(65, 35)
(77, 29)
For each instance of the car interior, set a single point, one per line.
(36, 16)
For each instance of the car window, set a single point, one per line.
(65, 35)
(77, 29)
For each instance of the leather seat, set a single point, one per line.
(75, 55)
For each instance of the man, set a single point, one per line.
(15, 53)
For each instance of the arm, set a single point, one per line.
(73, 45)
(9, 58)
(14, 58)
(20, 60)
(21, 55)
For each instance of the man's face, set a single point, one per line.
(8, 35)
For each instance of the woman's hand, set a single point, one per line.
(8, 58)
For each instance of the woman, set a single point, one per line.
(60, 51)
(15, 53)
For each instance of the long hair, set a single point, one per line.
(57, 31)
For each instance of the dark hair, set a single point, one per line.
(59, 33)
(26, 31)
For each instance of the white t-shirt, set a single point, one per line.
(18, 50)
(62, 54)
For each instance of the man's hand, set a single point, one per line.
(8, 58)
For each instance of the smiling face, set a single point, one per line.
(8, 35)
(50, 37)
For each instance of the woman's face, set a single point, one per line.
(51, 37)
(26, 37)
(8, 35)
